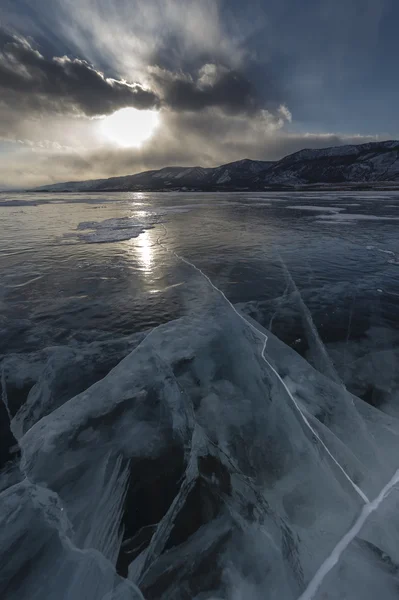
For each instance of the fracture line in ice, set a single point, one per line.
(336, 554)
(106, 530)
(95, 564)
(328, 364)
(348, 333)
(166, 524)
(4, 396)
(279, 303)
(262, 502)
(265, 340)
(107, 536)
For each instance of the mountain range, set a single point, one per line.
(363, 165)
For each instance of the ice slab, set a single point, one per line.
(211, 461)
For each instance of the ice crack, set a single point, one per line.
(4, 396)
(265, 340)
(336, 554)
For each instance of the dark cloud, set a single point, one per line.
(61, 83)
(333, 58)
(213, 85)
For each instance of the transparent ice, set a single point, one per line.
(211, 462)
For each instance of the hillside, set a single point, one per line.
(237, 174)
(373, 162)
(364, 164)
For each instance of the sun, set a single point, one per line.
(130, 127)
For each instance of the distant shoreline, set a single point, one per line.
(355, 187)
(364, 167)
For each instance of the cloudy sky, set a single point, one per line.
(225, 79)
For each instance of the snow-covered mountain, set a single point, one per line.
(373, 162)
(242, 173)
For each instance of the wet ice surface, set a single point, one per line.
(328, 209)
(163, 439)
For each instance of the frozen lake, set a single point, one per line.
(199, 396)
(63, 282)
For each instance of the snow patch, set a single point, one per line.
(110, 230)
(224, 178)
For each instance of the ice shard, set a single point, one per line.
(211, 462)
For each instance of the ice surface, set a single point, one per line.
(356, 217)
(211, 461)
(13, 203)
(344, 542)
(110, 230)
(38, 559)
(328, 209)
(113, 230)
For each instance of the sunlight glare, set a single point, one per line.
(129, 127)
(144, 247)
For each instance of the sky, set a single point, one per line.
(226, 80)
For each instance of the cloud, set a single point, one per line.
(225, 74)
(210, 137)
(177, 37)
(128, 35)
(33, 86)
(213, 85)
(61, 84)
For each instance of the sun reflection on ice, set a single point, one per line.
(138, 196)
(142, 214)
(144, 247)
